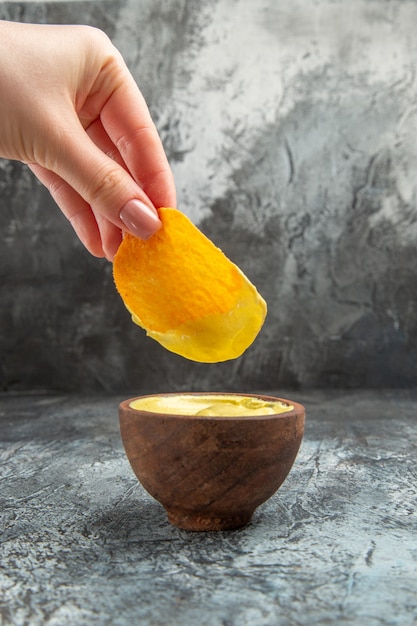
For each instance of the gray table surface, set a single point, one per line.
(82, 543)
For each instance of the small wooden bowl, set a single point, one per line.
(210, 473)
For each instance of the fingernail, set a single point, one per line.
(140, 219)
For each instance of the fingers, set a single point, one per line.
(99, 236)
(102, 183)
(127, 121)
(111, 237)
(97, 134)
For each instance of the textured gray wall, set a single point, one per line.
(291, 129)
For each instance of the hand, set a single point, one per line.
(71, 110)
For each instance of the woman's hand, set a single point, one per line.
(71, 110)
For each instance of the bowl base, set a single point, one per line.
(202, 521)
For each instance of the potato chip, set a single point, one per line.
(186, 293)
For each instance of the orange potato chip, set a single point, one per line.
(186, 293)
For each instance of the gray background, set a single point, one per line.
(291, 128)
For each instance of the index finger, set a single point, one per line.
(128, 122)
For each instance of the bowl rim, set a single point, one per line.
(297, 409)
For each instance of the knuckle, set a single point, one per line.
(145, 135)
(95, 35)
(104, 185)
(56, 188)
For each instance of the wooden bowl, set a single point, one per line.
(210, 473)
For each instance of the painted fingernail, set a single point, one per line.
(140, 219)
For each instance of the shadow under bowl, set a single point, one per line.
(211, 473)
